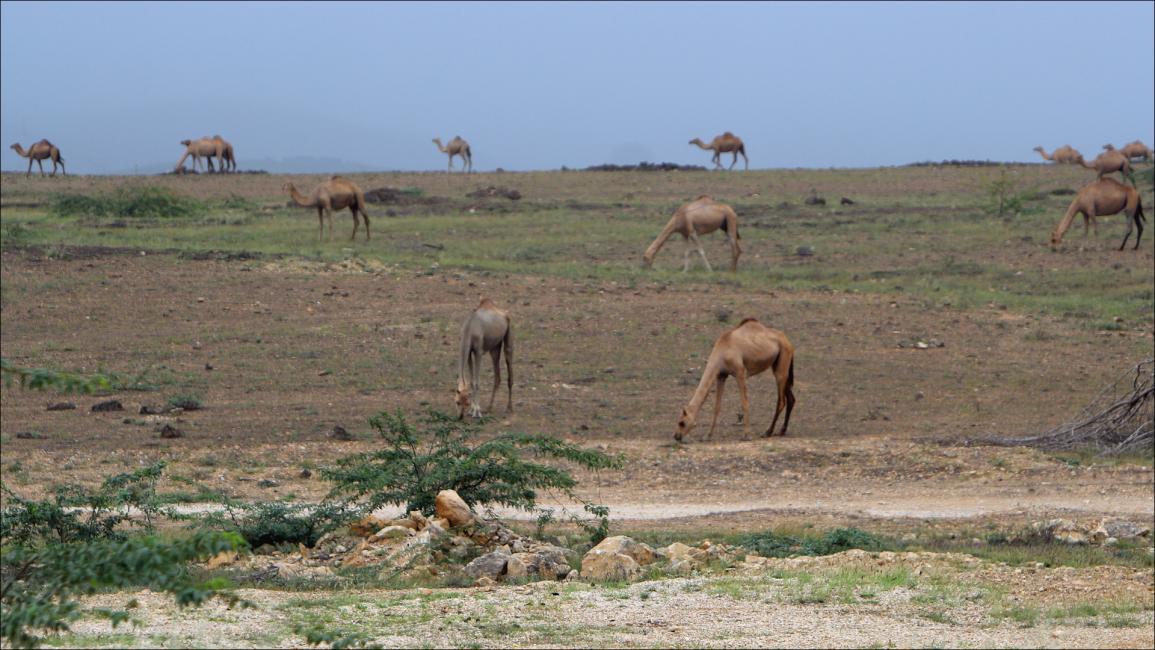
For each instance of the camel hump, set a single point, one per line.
(727, 135)
(337, 178)
(704, 197)
(747, 320)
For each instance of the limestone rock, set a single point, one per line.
(451, 507)
(639, 552)
(600, 564)
(391, 532)
(515, 568)
(490, 565)
(368, 525)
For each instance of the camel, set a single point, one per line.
(228, 160)
(1064, 155)
(743, 351)
(725, 143)
(337, 193)
(1104, 197)
(40, 152)
(457, 147)
(1133, 150)
(208, 148)
(487, 330)
(699, 217)
(1111, 161)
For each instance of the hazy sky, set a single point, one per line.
(539, 85)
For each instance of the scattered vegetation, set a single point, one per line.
(45, 379)
(771, 544)
(128, 202)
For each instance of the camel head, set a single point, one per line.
(647, 260)
(697, 141)
(186, 142)
(288, 187)
(1039, 149)
(463, 399)
(1108, 147)
(15, 146)
(685, 425)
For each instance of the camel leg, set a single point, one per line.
(741, 377)
(29, 167)
(746, 160)
(698, 244)
(1133, 220)
(40, 164)
(686, 257)
(505, 349)
(495, 354)
(356, 223)
(734, 162)
(321, 223)
(475, 377)
(365, 218)
(717, 405)
(784, 379)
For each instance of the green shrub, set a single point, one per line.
(44, 379)
(186, 402)
(278, 523)
(74, 514)
(41, 585)
(770, 544)
(416, 464)
(128, 202)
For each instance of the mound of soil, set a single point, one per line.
(507, 192)
(646, 167)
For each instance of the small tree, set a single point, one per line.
(416, 464)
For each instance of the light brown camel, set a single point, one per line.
(227, 160)
(457, 147)
(41, 151)
(337, 193)
(1133, 150)
(487, 330)
(1111, 161)
(1104, 197)
(699, 217)
(743, 351)
(1064, 155)
(725, 143)
(208, 148)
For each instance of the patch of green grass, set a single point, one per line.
(128, 202)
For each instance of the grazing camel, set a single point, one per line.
(40, 152)
(487, 330)
(1111, 161)
(337, 193)
(1104, 197)
(208, 148)
(457, 147)
(1064, 155)
(228, 159)
(699, 217)
(743, 351)
(1133, 150)
(725, 143)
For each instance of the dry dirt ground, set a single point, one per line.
(280, 350)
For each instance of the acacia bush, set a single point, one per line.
(417, 462)
(54, 551)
